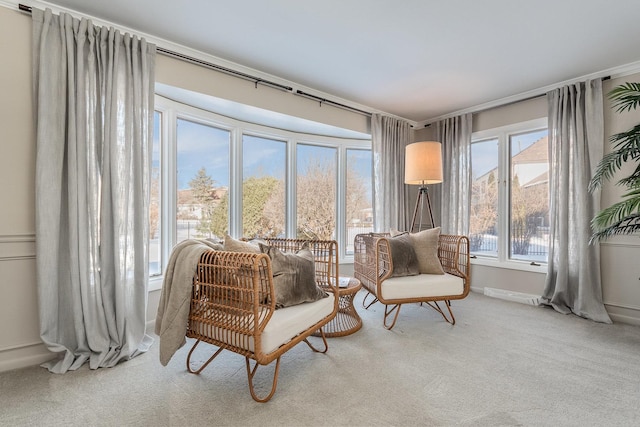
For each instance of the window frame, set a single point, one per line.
(170, 111)
(503, 134)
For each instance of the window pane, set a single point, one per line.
(359, 209)
(484, 198)
(529, 210)
(263, 187)
(316, 192)
(202, 198)
(155, 259)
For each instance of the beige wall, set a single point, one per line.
(620, 255)
(20, 343)
(196, 78)
(19, 331)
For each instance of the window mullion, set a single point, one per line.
(235, 183)
(341, 202)
(169, 182)
(503, 198)
(290, 189)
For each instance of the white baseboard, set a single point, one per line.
(520, 297)
(24, 356)
(621, 318)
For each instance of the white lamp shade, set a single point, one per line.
(423, 163)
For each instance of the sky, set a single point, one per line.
(485, 154)
(206, 146)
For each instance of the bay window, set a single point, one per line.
(216, 175)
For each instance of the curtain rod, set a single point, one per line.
(330, 102)
(239, 74)
(527, 98)
(167, 52)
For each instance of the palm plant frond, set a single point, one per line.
(610, 163)
(629, 141)
(629, 225)
(627, 146)
(622, 217)
(617, 212)
(633, 180)
(626, 96)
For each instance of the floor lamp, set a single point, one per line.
(423, 165)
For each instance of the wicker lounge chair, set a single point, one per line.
(233, 307)
(373, 265)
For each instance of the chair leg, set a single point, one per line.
(251, 373)
(364, 301)
(324, 339)
(451, 319)
(204, 365)
(387, 313)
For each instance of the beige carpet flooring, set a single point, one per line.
(502, 364)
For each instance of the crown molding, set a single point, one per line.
(615, 72)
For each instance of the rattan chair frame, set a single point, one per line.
(373, 264)
(233, 300)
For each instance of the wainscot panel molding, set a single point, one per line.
(621, 279)
(20, 343)
(17, 247)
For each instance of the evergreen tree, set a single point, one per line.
(202, 191)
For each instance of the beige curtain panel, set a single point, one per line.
(455, 192)
(94, 109)
(389, 136)
(576, 145)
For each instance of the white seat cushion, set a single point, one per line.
(287, 323)
(422, 285)
(284, 325)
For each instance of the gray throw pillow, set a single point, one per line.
(425, 243)
(234, 245)
(405, 261)
(294, 276)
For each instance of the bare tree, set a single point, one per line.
(357, 196)
(316, 201)
(484, 209)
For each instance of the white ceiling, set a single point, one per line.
(416, 59)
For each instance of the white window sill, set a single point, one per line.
(155, 283)
(511, 265)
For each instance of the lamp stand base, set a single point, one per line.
(423, 194)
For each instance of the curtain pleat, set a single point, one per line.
(93, 91)
(576, 144)
(454, 194)
(389, 137)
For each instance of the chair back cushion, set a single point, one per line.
(294, 279)
(425, 243)
(405, 261)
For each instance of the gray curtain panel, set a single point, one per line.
(454, 194)
(576, 145)
(389, 137)
(94, 109)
